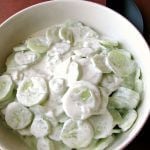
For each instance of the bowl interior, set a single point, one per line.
(103, 20)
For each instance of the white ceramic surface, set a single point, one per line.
(104, 20)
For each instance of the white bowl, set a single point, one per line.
(105, 21)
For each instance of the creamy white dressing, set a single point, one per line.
(64, 77)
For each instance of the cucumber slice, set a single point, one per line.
(103, 125)
(73, 73)
(120, 63)
(138, 86)
(4, 103)
(109, 44)
(129, 81)
(116, 116)
(110, 82)
(32, 91)
(81, 100)
(45, 144)
(40, 127)
(125, 52)
(25, 58)
(6, 87)
(17, 116)
(138, 81)
(99, 61)
(21, 47)
(128, 120)
(100, 144)
(37, 45)
(76, 134)
(124, 98)
(66, 34)
(52, 34)
(104, 143)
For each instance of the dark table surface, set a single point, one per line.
(9, 7)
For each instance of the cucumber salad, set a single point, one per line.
(68, 87)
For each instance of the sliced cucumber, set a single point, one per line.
(6, 87)
(66, 34)
(117, 118)
(45, 144)
(138, 81)
(37, 44)
(110, 82)
(17, 116)
(124, 98)
(4, 103)
(128, 120)
(76, 134)
(32, 91)
(25, 58)
(100, 144)
(109, 44)
(99, 61)
(104, 143)
(129, 81)
(52, 34)
(120, 63)
(21, 47)
(40, 127)
(138, 86)
(81, 100)
(103, 125)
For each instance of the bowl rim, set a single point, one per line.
(126, 142)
